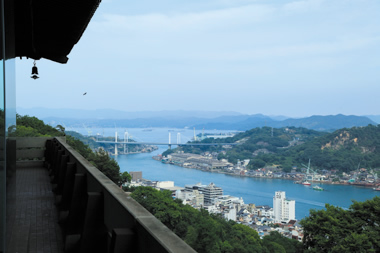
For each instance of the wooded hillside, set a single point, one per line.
(344, 150)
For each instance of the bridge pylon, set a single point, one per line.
(116, 143)
(126, 139)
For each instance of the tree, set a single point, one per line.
(36, 124)
(125, 177)
(337, 230)
(80, 147)
(276, 241)
(287, 168)
(107, 165)
(60, 128)
(24, 131)
(256, 163)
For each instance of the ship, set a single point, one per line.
(376, 189)
(317, 188)
(306, 183)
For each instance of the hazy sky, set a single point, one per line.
(283, 57)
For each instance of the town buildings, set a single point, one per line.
(262, 218)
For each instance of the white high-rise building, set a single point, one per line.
(284, 209)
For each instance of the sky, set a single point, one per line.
(286, 57)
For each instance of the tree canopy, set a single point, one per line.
(342, 150)
(337, 230)
(27, 126)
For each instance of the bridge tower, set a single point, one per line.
(116, 143)
(126, 137)
(170, 136)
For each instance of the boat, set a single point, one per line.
(376, 189)
(317, 188)
(306, 183)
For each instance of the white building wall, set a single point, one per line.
(289, 210)
(230, 214)
(165, 184)
(277, 205)
(283, 209)
(211, 209)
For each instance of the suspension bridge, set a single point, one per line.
(126, 141)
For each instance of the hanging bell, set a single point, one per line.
(34, 71)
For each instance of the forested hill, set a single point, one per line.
(344, 149)
(257, 141)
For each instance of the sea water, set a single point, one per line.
(259, 191)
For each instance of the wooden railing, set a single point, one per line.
(95, 214)
(30, 151)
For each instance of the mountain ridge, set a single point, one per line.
(196, 119)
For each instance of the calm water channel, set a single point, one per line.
(252, 190)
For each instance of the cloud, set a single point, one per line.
(178, 22)
(265, 47)
(303, 6)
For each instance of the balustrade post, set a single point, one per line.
(122, 239)
(61, 174)
(74, 221)
(68, 187)
(56, 148)
(94, 237)
(55, 177)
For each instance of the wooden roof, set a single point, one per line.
(50, 28)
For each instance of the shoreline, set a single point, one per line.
(266, 177)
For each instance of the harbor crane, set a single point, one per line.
(308, 177)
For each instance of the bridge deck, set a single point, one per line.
(165, 143)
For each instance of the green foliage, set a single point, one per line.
(107, 165)
(100, 159)
(342, 150)
(257, 163)
(24, 131)
(80, 147)
(277, 243)
(60, 128)
(32, 127)
(258, 141)
(337, 230)
(168, 152)
(89, 141)
(125, 177)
